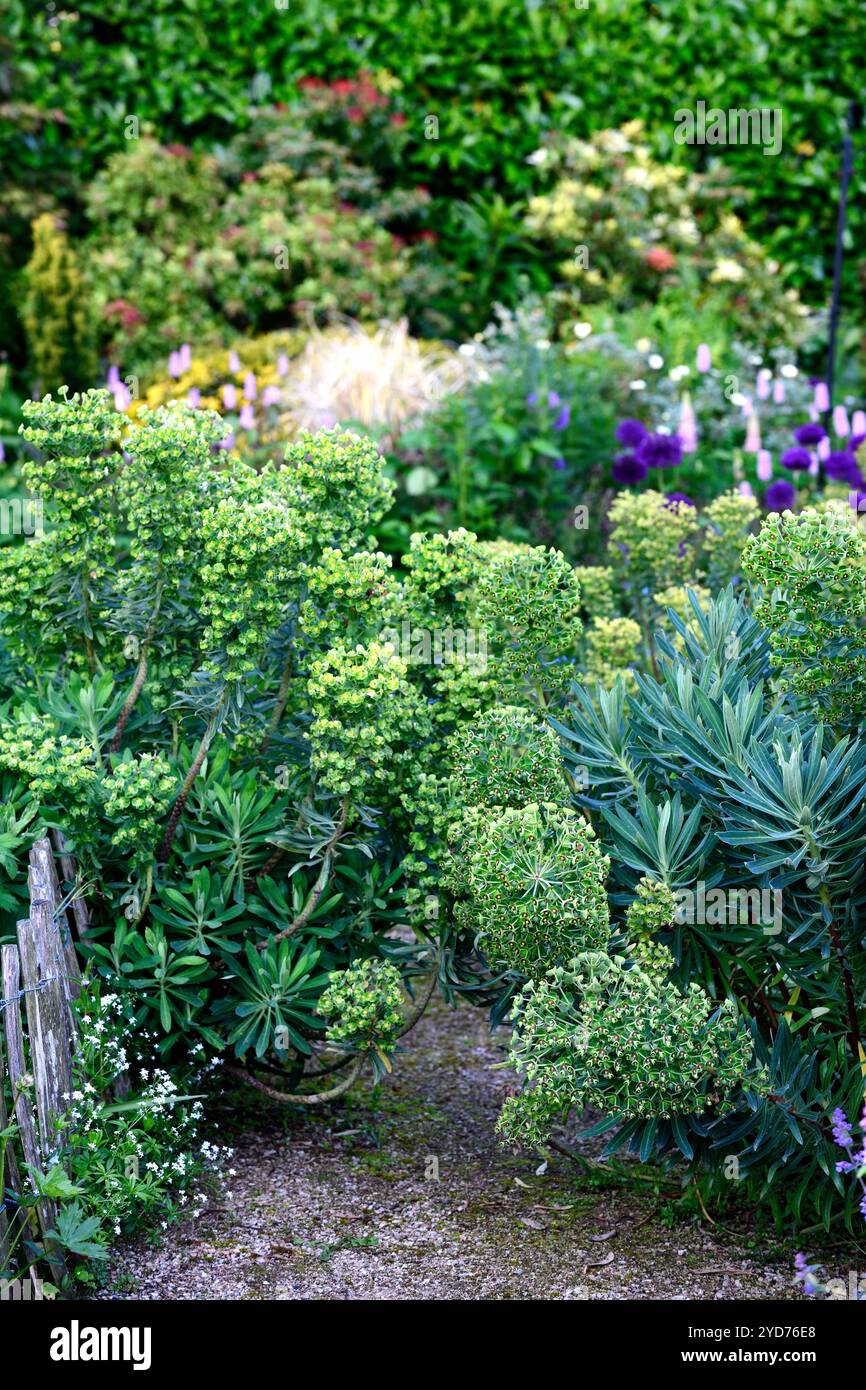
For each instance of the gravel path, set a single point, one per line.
(403, 1193)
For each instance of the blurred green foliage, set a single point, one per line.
(495, 76)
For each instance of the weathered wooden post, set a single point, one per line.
(21, 1081)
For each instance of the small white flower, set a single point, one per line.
(656, 361)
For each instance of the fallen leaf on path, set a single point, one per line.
(597, 1264)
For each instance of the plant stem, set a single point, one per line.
(189, 780)
(138, 682)
(292, 1098)
(318, 887)
(281, 702)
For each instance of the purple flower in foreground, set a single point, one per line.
(842, 1128)
(562, 419)
(842, 468)
(779, 496)
(855, 441)
(659, 451)
(630, 433)
(809, 433)
(796, 458)
(805, 1275)
(627, 469)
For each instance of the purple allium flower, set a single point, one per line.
(809, 433)
(628, 469)
(659, 451)
(674, 497)
(796, 458)
(703, 359)
(842, 467)
(855, 441)
(630, 433)
(562, 419)
(842, 1128)
(779, 496)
